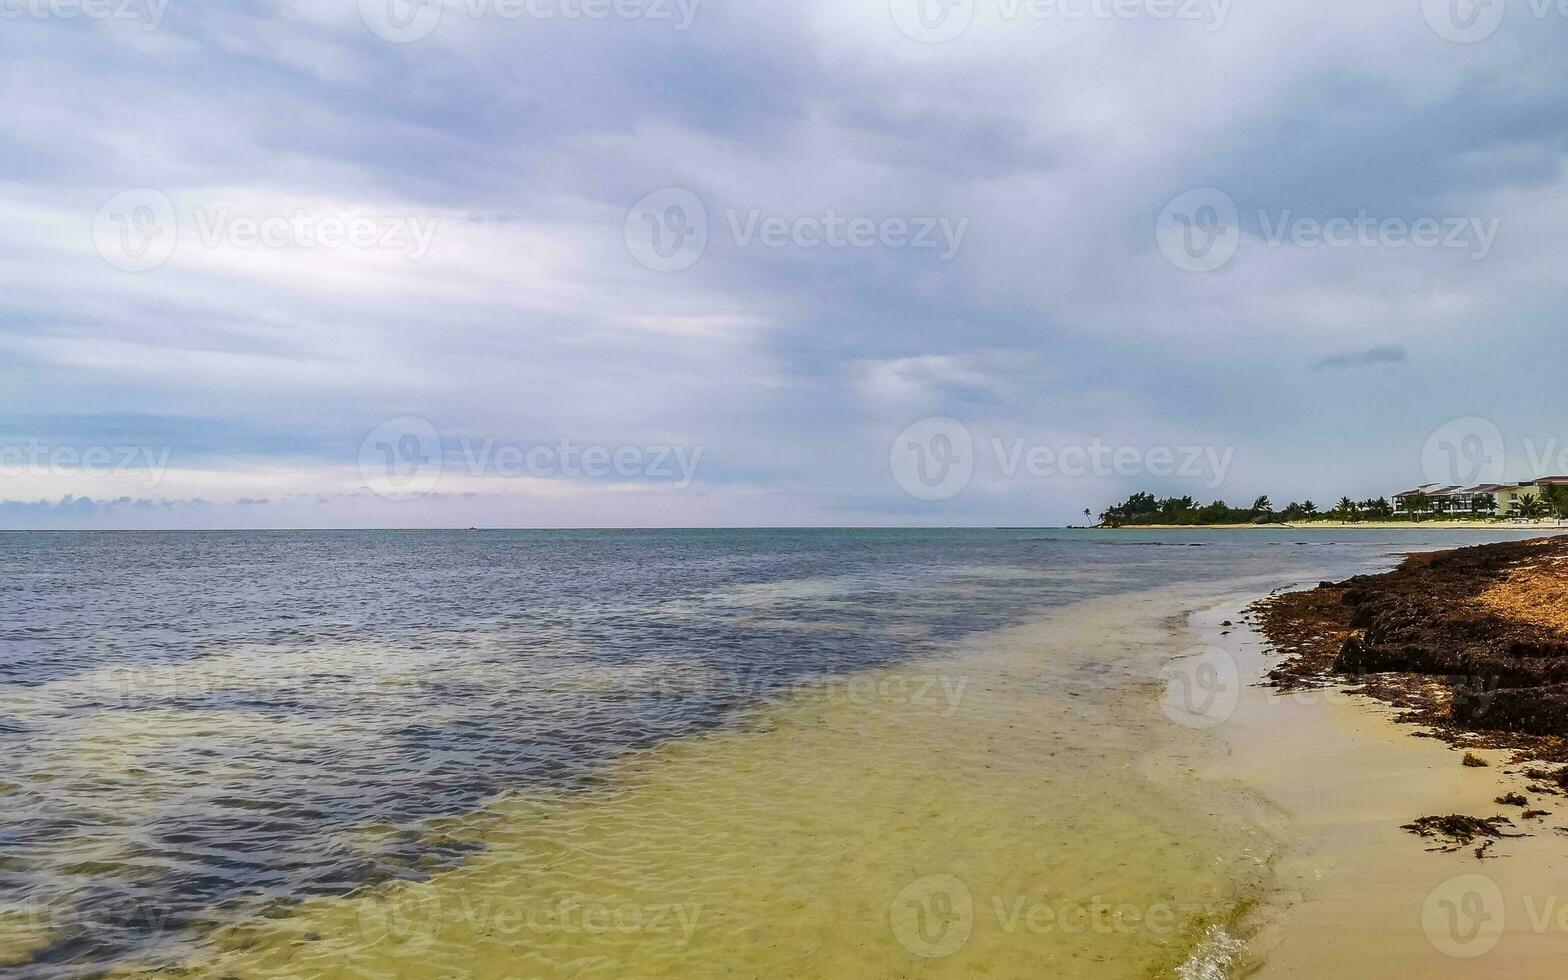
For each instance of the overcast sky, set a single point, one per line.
(283, 263)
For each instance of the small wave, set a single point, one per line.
(1215, 954)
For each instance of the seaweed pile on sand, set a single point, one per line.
(1471, 644)
(1456, 832)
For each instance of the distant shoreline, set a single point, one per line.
(1350, 526)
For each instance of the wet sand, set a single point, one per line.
(1361, 897)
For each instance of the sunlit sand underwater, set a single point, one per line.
(1006, 811)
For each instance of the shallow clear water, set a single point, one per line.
(226, 750)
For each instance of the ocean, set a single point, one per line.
(664, 753)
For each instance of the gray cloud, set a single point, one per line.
(1057, 322)
(1381, 354)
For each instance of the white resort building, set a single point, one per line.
(1497, 499)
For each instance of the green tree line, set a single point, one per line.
(1144, 508)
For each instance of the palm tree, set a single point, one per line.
(1417, 503)
(1346, 509)
(1088, 514)
(1531, 506)
(1263, 505)
(1557, 500)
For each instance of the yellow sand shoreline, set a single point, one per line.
(1364, 898)
(1050, 816)
(795, 842)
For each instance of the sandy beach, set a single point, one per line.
(1361, 895)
